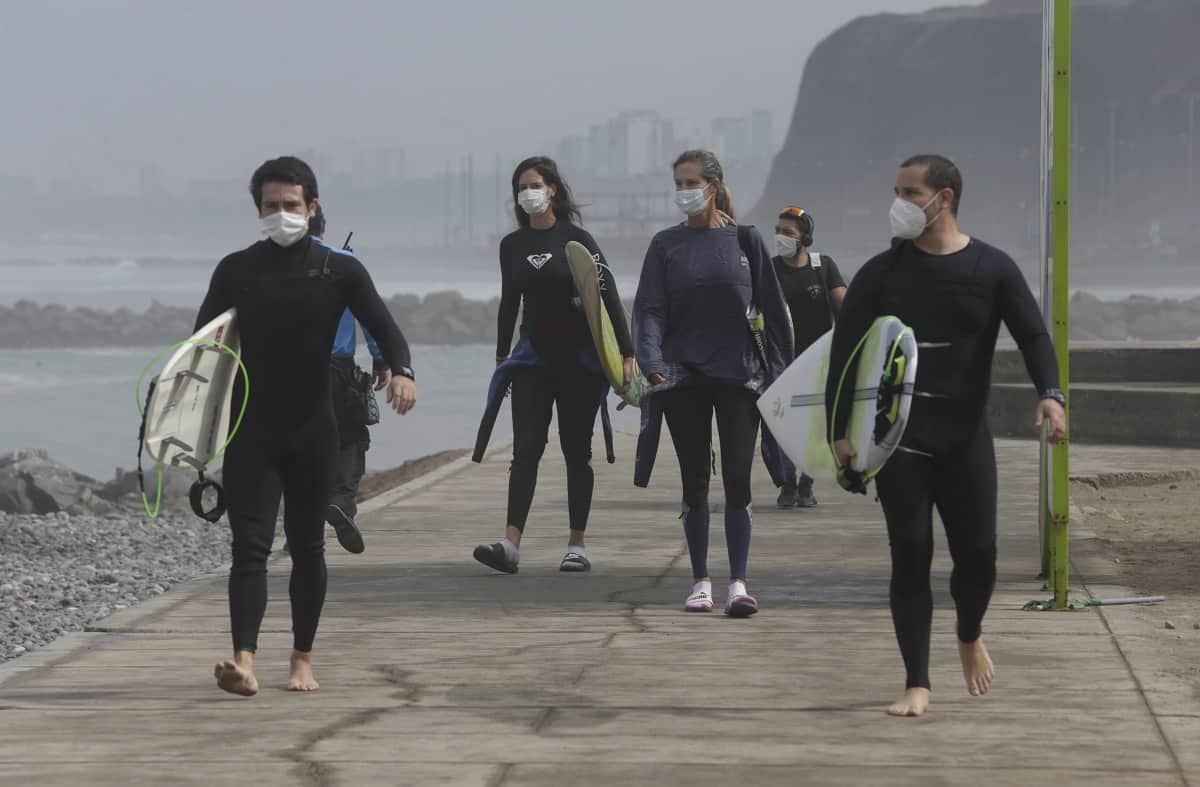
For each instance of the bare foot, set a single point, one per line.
(977, 667)
(302, 674)
(237, 676)
(914, 703)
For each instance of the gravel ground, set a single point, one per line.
(60, 573)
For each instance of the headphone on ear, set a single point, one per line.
(806, 223)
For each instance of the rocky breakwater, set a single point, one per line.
(26, 324)
(442, 318)
(1135, 317)
(33, 483)
(438, 318)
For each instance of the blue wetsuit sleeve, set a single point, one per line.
(219, 297)
(373, 348)
(1021, 314)
(370, 310)
(858, 313)
(510, 304)
(650, 313)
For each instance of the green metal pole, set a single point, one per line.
(1060, 490)
(1045, 286)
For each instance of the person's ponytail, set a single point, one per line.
(724, 199)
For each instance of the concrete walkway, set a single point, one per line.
(436, 671)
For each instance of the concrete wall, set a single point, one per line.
(1121, 393)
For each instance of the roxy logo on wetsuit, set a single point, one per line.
(538, 260)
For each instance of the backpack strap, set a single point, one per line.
(814, 259)
(743, 235)
(754, 318)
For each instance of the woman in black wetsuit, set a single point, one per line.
(554, 365)
(290, 291)
(954, 291)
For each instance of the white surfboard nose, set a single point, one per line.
(187, 418)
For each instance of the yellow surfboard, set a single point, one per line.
(586, 275)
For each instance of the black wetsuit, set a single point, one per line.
(289, 302)
(533, 271)
(954, 304)
(809, 295)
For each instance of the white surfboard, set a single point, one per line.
(793, 407)
(187, 418)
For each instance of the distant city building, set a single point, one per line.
(668, 146)
(376, 166)
(642, 142)
(321, 163)
(598, 150)
(150, 181)
(572, 154)
(762, 137)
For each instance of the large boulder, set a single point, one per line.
(124, 492)
(33, 483)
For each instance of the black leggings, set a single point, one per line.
(351, 467)
(536, 391)
(689, 413)
(962, 484)
(264, 463)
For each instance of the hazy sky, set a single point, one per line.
(95, 89)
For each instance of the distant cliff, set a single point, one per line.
(966, 82)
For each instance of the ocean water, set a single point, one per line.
(80, 406)
(127, 282)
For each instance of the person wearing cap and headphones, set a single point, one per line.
(814, 289)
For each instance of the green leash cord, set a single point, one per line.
(852, 480)
(153, 514)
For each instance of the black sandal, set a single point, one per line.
(494, 556)
(575, 562)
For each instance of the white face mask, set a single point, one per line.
(284, 228)
(534, 201)
(908, 218)
(691, 201)
(786, 246)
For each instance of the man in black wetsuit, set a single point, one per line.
(290, 292)
(954, 291)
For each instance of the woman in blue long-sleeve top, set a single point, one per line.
(700, 282)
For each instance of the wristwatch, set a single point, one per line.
(404, 371)
(1055, 394)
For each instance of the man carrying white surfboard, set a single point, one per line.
(954, 291)
(814, 289)
(289, 292)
